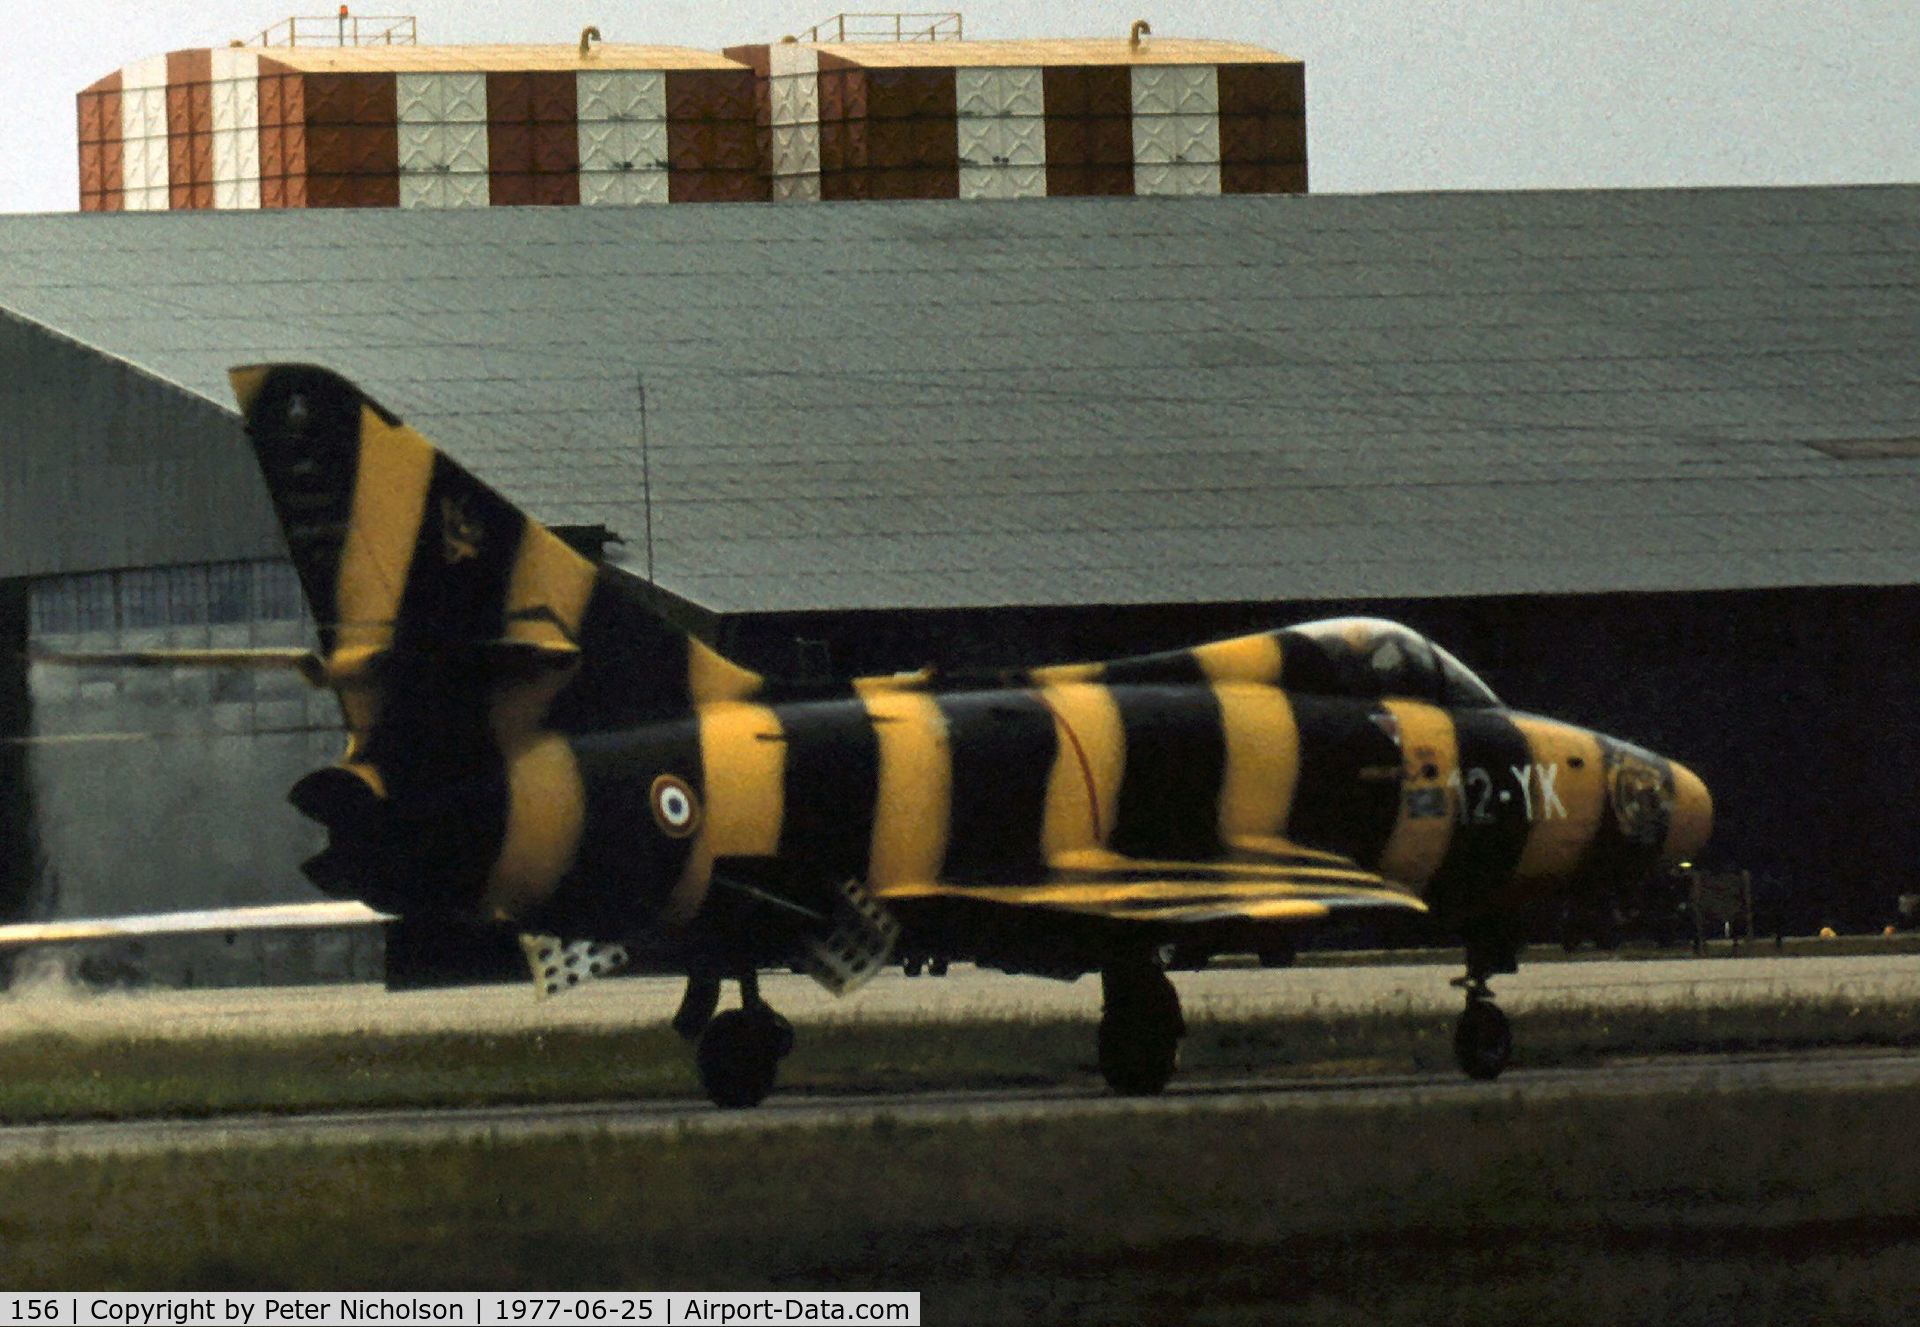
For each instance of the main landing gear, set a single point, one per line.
(1140, 1027)
(737, 1053)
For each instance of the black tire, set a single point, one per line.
(739, 1056)
(1482, 1041)
(1137, 1061)
(1140, 1030)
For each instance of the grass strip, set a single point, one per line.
(1758, 1207)
(49, 1076)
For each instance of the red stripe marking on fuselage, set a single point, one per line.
(1080, 755)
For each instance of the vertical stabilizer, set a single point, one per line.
(465, 641)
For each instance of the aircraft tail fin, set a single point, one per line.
(462, 637)
(397, 547)
(438, 602)
(407, 560)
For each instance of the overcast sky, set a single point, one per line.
(1401, 94)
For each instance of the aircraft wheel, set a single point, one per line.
(739, 1055)
(1482, 1041)
(1140, 1030)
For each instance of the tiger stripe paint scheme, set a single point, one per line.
(1124, 793)
(514, 712)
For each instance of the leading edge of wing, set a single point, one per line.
(265, 917)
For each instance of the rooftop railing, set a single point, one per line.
(944, 26)
(342, 29)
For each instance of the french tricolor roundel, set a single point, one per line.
(675, 808)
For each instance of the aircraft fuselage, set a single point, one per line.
(1077, 789)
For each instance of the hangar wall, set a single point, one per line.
(123, 792)
(142, 790)
(172, 782)
(19, 850)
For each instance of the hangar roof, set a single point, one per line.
(1127, 400)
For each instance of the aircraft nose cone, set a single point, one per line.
(1692, 821)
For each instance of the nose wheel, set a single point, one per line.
(1140, 1028)
(1483, 1038)
(738, 1053)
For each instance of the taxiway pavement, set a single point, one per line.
(965, 993)
(52, 1007)
(1677, 1076)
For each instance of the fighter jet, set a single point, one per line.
(532, 743)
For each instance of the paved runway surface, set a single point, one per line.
(56, 1008)
(965, 993)
(626, 1119)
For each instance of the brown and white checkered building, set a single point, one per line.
(476, 126)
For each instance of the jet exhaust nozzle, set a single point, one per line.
(356, 817)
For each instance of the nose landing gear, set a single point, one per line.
(1483, 1038)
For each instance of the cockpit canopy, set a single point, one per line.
(1363, 657)
(1370, 656)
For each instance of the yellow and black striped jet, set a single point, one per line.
(531, 742)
